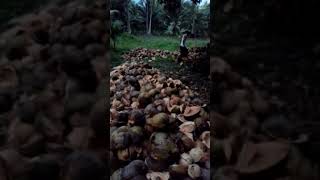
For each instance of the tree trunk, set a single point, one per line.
(193, 25)
(147, 16)
(128, 20)
(193, 19)
(150, 17)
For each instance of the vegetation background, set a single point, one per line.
(148, 24)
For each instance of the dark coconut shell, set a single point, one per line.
(8, 78)
(33, 146)
(76, 162)
(133, 169)
(192, 111)
(16, 165)
(255, 158)
(156, 165)
(226, 173)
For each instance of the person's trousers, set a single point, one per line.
(183, 51)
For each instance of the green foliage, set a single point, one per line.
(164, 23)
(116, 30)
(184, 19)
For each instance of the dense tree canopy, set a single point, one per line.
(163, 17)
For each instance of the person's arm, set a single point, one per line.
(182, 42)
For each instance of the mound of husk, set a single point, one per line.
(52, 87)
(159, 128)
(197, 58)
(252, 138)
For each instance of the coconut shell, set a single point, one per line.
(159, 120)
(259, 104)
(123, 154)
(33, 146)
(191, 111)
(187, 127)
(156, 165)
(231, 99)
(218, 66)
(255, 158)
(226, 173)
(16, 165)
(121, 138)
(158, 176)
(178, 171)
(185, 159)
(9, 78)
(3, 171)
(194, 171)
(196, 154)
(205, 137)
(79, 138)
(19, 132)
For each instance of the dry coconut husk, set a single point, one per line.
(187, 127)
(191, 111)
(8, 77)
(167, 135)
(255, 158)
(205, 137)
(194, 171)
(158, 176)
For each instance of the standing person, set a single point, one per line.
(183, 48)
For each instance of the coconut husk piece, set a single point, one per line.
(219, 66)
(3, 172)
(255, 158)
(181, 118)
(15, 164)
(158, 176)
(205, 137)
(187, 127)
(227, 149)
(174, 108)
(172, 105)
(191, 111)
(8, 77)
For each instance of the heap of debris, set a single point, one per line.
(197, 58)
(52, 93)
(159, 128)
(252, 137)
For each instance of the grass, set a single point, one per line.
(126, 42)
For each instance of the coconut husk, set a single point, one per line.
(255, 158)
(191, 111)
(158, 176)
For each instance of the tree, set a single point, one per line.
(150, 16)
(173, 6)
(147, 10)
(116, 26)
(123, 6)
(129, 5)
(191, 17)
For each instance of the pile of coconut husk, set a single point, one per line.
(197, 58)
(52, 94)
(159, 128)
(252, 138)
(140, 54)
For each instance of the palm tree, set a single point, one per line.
(116, 27)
